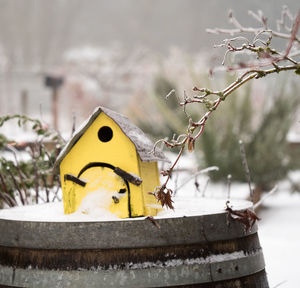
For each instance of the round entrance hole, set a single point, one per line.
(105, 134)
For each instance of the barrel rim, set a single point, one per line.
(121, 234)
(128, 220)
(246, 205)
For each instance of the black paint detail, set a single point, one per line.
(74, 179)
(122, 191)
(116, 199)
(95, 164)
(105, 134)
(106, 165)
(129, 177)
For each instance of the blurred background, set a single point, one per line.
(60, 59)
(108, 52)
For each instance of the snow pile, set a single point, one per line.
(13, 132)
(95, 205)
(93, 208)
(194, 206)
(279, 234)
(293, 137)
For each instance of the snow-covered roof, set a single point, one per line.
(142, 143)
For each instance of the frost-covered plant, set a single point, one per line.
(259, 59)
(33, 178)
(263, 130)
(268, 151)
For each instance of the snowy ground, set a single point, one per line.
(53, 212)
(279, 229)
(279, 232)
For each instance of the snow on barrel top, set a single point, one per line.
(109, 154)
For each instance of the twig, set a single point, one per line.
(170, 93)
(20, 173)
(282, 22)
(203, 171)
(153, 221)
(270, 193)
(241, 29)
(205, 187)
(197, 185)
(294, 32)
(57, 190)
(3, 185)
(5, 194)
(17, 187)
(73, 124)
(46, 187)
(176, 182)
(36, 175)
(246, 168)
(8, 200)
(279, 284)
(229, 177)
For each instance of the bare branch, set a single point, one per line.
(200, 172)
(229, 178)
(246, 168)
(205, 187)
(294, 32)
(267, 61)
(279, 284)
(262, 200)
(241, 29)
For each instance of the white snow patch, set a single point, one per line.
(178, 262)
(87, 54)
(93, 206)
(13, 132)
(279, 233)
(293, 137)
(193, 206)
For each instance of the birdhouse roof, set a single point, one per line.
(142, 143)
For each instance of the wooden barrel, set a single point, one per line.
(198, 251)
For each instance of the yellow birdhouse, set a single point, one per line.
(109, 161)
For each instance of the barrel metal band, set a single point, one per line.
(220, 267)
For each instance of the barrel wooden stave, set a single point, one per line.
(184, 251)
(120, 234)
(131, 278)
(84, 259)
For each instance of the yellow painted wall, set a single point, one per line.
(150, 175)
(119, 152)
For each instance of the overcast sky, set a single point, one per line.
(35, 31)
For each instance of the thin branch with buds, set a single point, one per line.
(254, 31)
(267, 61)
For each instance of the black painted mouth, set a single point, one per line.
(95, 164)
(127, 177)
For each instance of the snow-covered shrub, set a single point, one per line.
(261, 121)
(26, 168)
